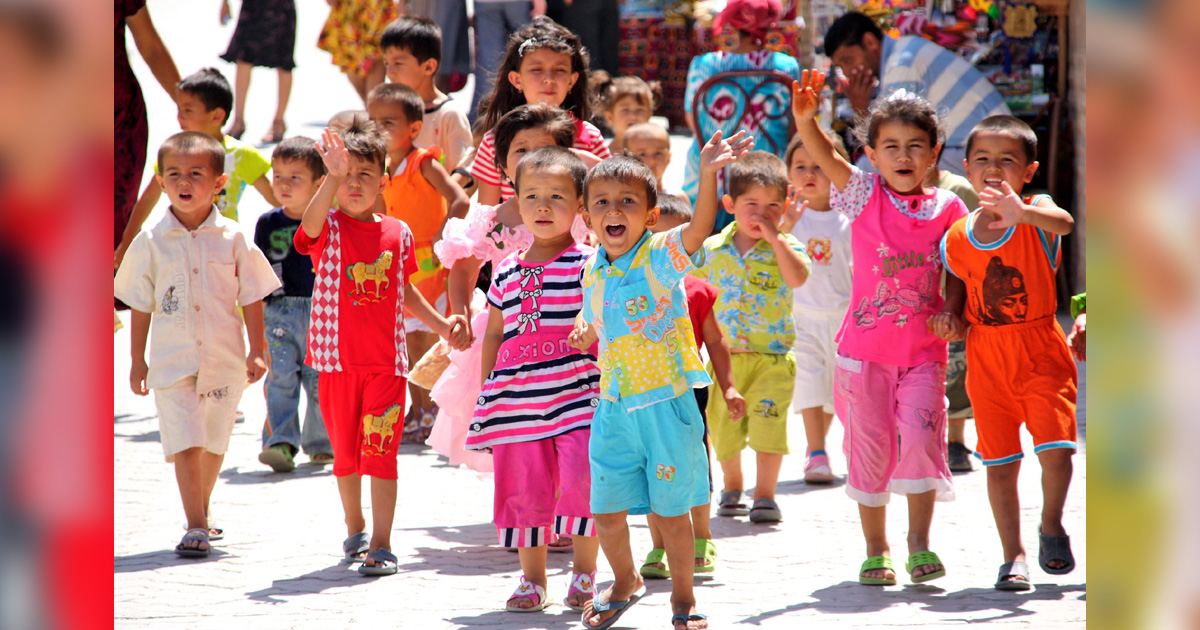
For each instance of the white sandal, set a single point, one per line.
(532, 592)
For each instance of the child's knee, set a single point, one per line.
(1004, 473)
(1057, 459)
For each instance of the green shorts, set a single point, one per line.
(766, 382)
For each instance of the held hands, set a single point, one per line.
(334, 154)
(1077, 340)
(735, 403)
(137, 377)
(1004, 203)
(582, 337)
(791, 211)
(806, 95)
(721, 152)
(947, 326)
(458, 332)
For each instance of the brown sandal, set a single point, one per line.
(275, 135)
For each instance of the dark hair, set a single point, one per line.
(347, 117)
(758, 168)
(301, 149)
(541, 33)
(211, 87)
(848, 30)
(658, 130)
(674, 206)
(365, 141)
(1009, 125)
(607, 90)
(407, 98)
(193, 143)
(418, 35)
(900, 106)
(549, 158)
(798, 142)
(555, 121)
(627, 170)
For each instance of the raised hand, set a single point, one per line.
(1004, 203)
(721, 152)
(806, 95)
(334, 154)
(791, 211)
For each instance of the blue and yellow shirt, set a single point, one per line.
(754, 305)
(639, 310)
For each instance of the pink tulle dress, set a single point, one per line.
(478, 235)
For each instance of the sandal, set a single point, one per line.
(215, 531)
(655, 573)
(321, 459)
(385, 563)
(765, 511)
(1016, 569)
(354, 547)
(597, 606)
(532, 592)
(236, 129)
(920, 559)
(876, 562)
(582, 583)
(731, 504)
(684, 619)
(275, 135)
(1055, 548)
(562, 544)
(198, 535)
(706, 549)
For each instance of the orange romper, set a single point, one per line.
(412, 199)
(1020, 369)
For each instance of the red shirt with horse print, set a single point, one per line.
(361, 269)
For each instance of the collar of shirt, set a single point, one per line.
(621, 265)
(170, 223)
(724, 239)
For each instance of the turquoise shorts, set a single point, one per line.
(648, 460)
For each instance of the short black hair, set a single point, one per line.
(407, 98)
(546, 158)
(627, 170)
(758, 168)
(674, 206)
(193, 143)
(419, 35)
(365, 140)
(1009, 125)
(211, 87)
(301, 149)
(848, 30)
(558, 123)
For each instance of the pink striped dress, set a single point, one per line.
(541, 387)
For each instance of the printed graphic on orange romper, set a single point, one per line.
(376, 273)
(1003, 298)
(379, 426)
(820, 250)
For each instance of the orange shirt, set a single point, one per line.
(412, 199)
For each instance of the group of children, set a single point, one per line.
(575, 374)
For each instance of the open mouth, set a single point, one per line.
(185, 196)
(904, 172)
(615, 231)
(993, 183)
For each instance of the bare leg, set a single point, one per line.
(383, 511)
(1057, 469)
(189, 476)
(731, 469)
(350, 490)
(210, 469)
(874, 526)
(816, 426)
(1006, 509)
(241, 85)
(419, 342)
(278, 126)
(533, 565)
(587, 548)
(701, 516)
(920, 520)
(656, 539)
(680, 546)
(768, 475)
(957, 430)
(613, 532)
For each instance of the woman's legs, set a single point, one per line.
(241, 85)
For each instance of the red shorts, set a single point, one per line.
(1021, 373)
(364, 416)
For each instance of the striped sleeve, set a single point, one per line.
(484, 168)
(591, 140)
(495, 294)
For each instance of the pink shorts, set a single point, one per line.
(543, 483)
(895, 422)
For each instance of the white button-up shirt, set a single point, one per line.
(193, 283)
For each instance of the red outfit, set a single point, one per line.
(701, 296)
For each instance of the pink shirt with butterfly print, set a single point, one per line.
(896, 241)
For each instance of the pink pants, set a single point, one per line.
(542, 483)
(895, 422)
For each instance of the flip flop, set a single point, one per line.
(385, 563)
(354, 545)
(920, 559)
(621, 606)
(765, 511)
(1055, 548)
(570, 546)
(654, 573)
(1013, 569)
(731, 504)
(706, 549)
(684, 619)
(876, 562)
(528, 590)
(581, 583)
(196, 534)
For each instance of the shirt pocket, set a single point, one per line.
(222, 282)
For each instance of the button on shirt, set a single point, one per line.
(754, 308)
(193, 284)
(639, 310)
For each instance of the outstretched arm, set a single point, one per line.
(263, 186)
(716, 155)
(1012, 210)
(806, 100)
(141, 211)
(337, 162)
(454, 329)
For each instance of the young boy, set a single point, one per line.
(651, 144)
(821, 305)
(640, 456)
(187, 276)
(364, 264)
(418, 191)
(204, 100)
(1007, 253)
(412, 52)
(701, 296)
(755, 267)
(296, 172)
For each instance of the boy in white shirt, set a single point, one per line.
(192, 271)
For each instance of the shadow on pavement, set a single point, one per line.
(556, 616)
(797, 486)
(124, 418)
(312, 583)
(154, 560)
(481, 536)
(464, 561)
(237, 475)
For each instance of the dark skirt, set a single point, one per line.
(265, 34)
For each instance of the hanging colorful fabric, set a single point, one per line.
(1020, 20)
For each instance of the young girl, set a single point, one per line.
(624, 102)
(535, 408)
(891, 364)
(351, 36)
(487, 235)
(542, 65)
(820, 306)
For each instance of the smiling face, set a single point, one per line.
(193, 116)
(524, 142)
(998, 157)
(548, 202)
(357, 192)
(626, 112)
(294, 185)
(619, 213)
(654, 152)
(403, 68)
(812, 185)
(757, 204)
(544, 77)
(390, 117)
(190, 182)
(902, 154)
